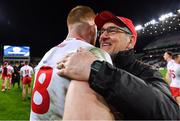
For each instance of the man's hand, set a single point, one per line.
(76, 66)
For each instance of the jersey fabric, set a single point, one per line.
(4, 72)
(10, 70)
(175, 77)
(49, 89)
(175, 74)
(170, 64)
(26, 70)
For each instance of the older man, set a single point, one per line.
(132, 89)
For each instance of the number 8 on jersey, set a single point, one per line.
(42, 81)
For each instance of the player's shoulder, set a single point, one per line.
(22, 68)
(96, 49)
(80, 43)
(48, 54)
(101, 54)
(176, 65)
(50, 50)
(29, 66)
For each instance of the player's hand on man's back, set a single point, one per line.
(77, 65)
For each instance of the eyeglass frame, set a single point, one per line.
(123, 30)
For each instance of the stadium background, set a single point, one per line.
(42, 25)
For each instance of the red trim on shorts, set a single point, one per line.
(26, 80)
(175, 91)
(4, 76)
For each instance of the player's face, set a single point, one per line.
(166, 56)
(112, 39)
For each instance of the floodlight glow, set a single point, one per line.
(138, 27)
(150, 22)
(153, 21)
(165, 16)
(162, 18)
(178, 10)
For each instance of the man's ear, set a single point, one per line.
(131, 42)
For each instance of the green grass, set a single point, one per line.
(11, 105)
(163, 71)
(13, 108)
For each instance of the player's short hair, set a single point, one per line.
(80, 14)
(176, 55)
(16, 62)
(169, 53)
(26, 62)
(5, 63)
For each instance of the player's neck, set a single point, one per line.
(169, 59)
(75, 36)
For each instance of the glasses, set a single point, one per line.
(113, 30)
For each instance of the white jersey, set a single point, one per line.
(26, 70)
(1, 69)
(10, 70)
(170, 64)
(175, 75)
(49, 90)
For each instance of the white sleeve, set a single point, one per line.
(32, 71)
(101, 54)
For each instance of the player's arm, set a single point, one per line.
(1, 73)
(82, 103)
(32, 72)
(12, 70)
(21, 74)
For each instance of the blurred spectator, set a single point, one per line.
(16, 75)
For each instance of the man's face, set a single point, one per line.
(114, 40)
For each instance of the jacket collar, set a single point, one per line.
(124, 58)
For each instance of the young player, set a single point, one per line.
(168, 57)
(50, 89)
(10, 71)
(175, 77)
(26, 72)
(4, 76)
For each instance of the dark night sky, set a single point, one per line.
(41, 24)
